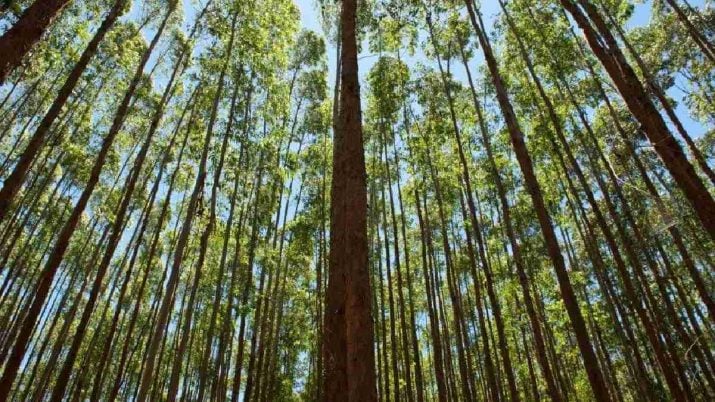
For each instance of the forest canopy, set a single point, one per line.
(357, 200)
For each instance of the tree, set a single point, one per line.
(347, 341)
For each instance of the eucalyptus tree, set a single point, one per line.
(186, 227)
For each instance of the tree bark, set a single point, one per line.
(698, 37)
(61, 245)
(118, 224)
(19, 40)
(348, 340)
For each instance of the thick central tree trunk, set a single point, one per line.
(348, 348)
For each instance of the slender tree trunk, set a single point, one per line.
(419, 381)
(436, 339)
(60, 246)
(203, 245)
(248, 280)
(698, 36)
(116, 232)
(150, 257)
(224, 251)
(518, 262)
(675, 233)
(148, 375)
(400, 283)
(458, 315)
(590, 360)
(656, 89)
(473, 220)
(379, 300)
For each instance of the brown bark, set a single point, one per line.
(224, 249)
(656, 89)
(152, 249)
(158, 334)
(514, 394)
(434, 324)
(248, 281)
(392, 320)
(398, 271)
(19, 40)
(61, 245)
(518, 262)
(348, 340)
(419, 381)
(698, 37)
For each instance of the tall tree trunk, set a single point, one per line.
(158, 334)
(394, 346)
(118, 224)
(62, 243)
(419, 381)
(537, 332)
(659, 93)
(348, 340)
(224, 250)
(436, 338)
(152, 249)
(398, 271)
(248, 279)
(698, 37)
(473, 219)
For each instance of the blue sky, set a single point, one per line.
(310, 19)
